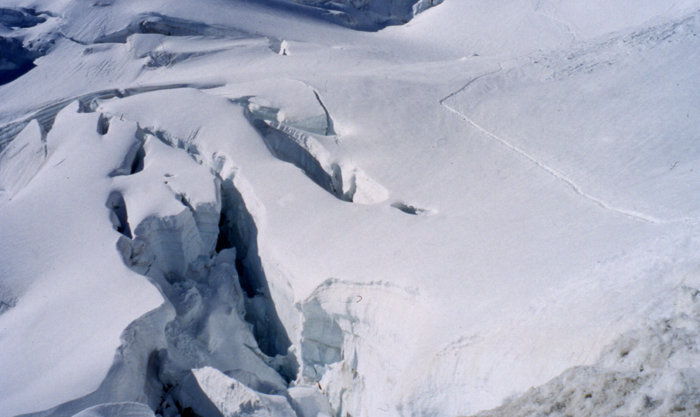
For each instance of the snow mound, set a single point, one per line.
(653, 371)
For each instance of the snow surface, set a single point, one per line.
(315, 208)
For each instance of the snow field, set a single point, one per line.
(243, 208)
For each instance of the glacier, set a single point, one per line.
(349, 208)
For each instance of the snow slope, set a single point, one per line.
(254, 208)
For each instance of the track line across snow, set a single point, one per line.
(549, 170)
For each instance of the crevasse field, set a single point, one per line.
(349, 208)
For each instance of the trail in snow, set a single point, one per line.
(546, 168)
(557, 21)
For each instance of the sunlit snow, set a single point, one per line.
(349, 208)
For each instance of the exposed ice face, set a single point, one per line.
(190, 197)
(319, 155)
(342, 323)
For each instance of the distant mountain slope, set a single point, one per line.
(370, 14)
